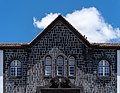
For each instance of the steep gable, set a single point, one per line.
(67, 24)
(70, 27)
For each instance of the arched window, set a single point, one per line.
(71, 64)
(15, 68)
(60, 63)
(48, 65)
(103, 68)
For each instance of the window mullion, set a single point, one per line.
(103, 71)
(15, 71)
(103, 68)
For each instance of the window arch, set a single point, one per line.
(60, 66)
(103, 68)
(48, 66)
(71, 64)
(15, 68)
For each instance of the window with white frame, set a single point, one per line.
(60, 67)
(48, 65)
(15, 68)
(103, 68)
(71, 64)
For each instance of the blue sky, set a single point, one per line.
(16, 16)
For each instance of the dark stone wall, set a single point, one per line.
(11, 83)
(60, 40)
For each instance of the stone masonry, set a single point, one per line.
(59, 39)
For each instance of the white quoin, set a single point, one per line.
(118, 71)
(1, 71)
(1, 61)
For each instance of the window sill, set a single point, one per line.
(71, 77)
(48, 77)
(60, 76)
(15, 77)
(104, 77)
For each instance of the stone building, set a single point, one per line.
(60, 60)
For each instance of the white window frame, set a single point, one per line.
(71, 65)
(14, 66)
(48, 66)
(104, 68)
(60, 64)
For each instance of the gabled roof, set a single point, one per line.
(60, 18)
(79, 35)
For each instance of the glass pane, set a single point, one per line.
(16, 63)
(59, 70)
(18, 70)
(19, 73)
(48, 61)
(12, 74)
(101, 63)
(71, 61)
(100, 71)
(72, 67)
(48, 70)
(15, 68)
(12, 71)
(106, 69)
(106, 74)
(71, 71)
(103, 68)
(100, 74)
(12, 63)
(106, 63)
(60, 60)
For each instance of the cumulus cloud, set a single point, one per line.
(44, 22)
(1, 84)
(88, 21)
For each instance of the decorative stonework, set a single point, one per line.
(59, 40)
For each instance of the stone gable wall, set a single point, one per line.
(60, 40)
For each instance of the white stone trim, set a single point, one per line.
(1, 65)
(1, 60)
(118, 71)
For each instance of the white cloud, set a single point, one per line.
(88, 21)
(45, 21)
(1, 84)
